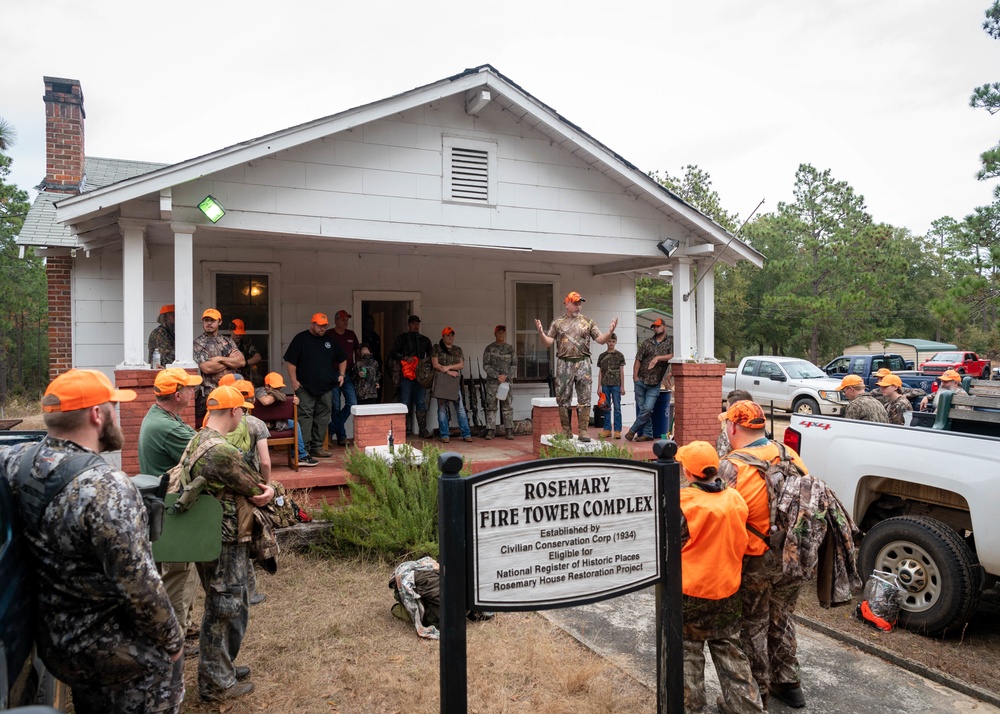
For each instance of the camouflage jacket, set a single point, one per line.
(161, 339)
(208, 346)
(365, 374)
(865, 408)
(446, 359)
(500, 359)
(96, 577)
(573, 335)
(227, 477)
(897, 408)
(649, 349)
(610, 364)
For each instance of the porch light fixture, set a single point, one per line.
(212, 209)
(668, 246)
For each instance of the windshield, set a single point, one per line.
(800, 369)
(947, 357)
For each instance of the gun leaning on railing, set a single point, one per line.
(471, 400)
(482, 391)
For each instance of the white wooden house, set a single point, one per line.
(467, 201)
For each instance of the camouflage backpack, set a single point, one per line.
(783, 479)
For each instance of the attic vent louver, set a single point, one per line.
(469, 171)
(470, 175)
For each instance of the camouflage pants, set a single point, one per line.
(506, 406)
(120, 674)
(768, 630)
(227, 612)
(739, 691)
(570, 375)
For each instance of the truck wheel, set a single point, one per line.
(987, 372)
(806, 405)
(941, 574)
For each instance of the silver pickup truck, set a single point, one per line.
(927, 499)
(786, 383)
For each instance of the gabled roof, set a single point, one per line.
(509, 95)
(925, 345)
(40, 227)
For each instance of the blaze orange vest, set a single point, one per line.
(712, 558)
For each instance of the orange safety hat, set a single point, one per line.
(167, 308)
(447, 331)
(246, 389)
(574, 297)
(656, 323)
(698, 456)
(212, 313)
(238, 327)
(745, 413)
(170, 380)
(274, 380)
(83, 388)
(227, 380)
(851, 380)
(891, 380)
(320, 319)
(883, 372)
(951, 376)
(226, 398)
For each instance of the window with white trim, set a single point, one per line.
(469, 170)
(532, 300)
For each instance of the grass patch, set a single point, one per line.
(563, 446)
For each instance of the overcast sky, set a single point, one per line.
(875, 90)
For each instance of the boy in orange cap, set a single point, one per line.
(714, 540)
(896, 404)
(573, 333)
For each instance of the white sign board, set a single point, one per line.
(558, 533)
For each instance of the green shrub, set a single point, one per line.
(563, 446)
(392, 512)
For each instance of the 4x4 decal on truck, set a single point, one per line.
(813, 423)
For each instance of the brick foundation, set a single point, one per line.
(697, 399)
(545, 420)
(372, 422)
(132, 413)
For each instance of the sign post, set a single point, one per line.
(560, 533)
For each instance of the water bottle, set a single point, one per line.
(392, 448)
(156, 359)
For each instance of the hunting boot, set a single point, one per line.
(567, 421)
(583, 415)
(489, 434)
(510, 434)
(422, 423)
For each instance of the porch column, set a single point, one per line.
(134, 339)
(705, 308)
(684, 313)
(183, 294)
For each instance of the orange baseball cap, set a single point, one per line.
(883, 372)
(447, 331)
(238, 327)
(851, 380)
(320, 318)
(274, 380)
(951, 375)
(891, 380)
(745, 413)
(170, 380)
(246, 389)
(656, 323)
(574, 297)
(227, 380)
(342, 314)
(167, 308)
(83, 388)
(226, 398)
(212, 313)
(698, 456)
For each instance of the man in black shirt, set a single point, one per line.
(412, 348)
(316, 364)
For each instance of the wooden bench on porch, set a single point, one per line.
(278, 414)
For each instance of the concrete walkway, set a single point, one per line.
(837, 678)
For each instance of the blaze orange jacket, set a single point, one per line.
(712, 557)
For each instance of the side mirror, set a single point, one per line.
(778, 378)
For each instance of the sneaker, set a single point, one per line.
(489, 435)
(242, 673)
(466, 438)
(240, 689)
(308, 461)
(641, 438)
(257, 598)
(790, 694)
(321, 454)
(629, 435)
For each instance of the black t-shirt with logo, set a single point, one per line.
(316, 361)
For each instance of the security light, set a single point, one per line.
(668, 246)
(212, 209)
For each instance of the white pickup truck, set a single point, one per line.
(927, 500)
(786, 383)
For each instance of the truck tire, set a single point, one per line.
(941, 574)
(806, 405)
(987, 372)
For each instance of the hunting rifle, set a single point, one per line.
(471, 389)
(482, 391)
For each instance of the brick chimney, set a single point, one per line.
(64, 117)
